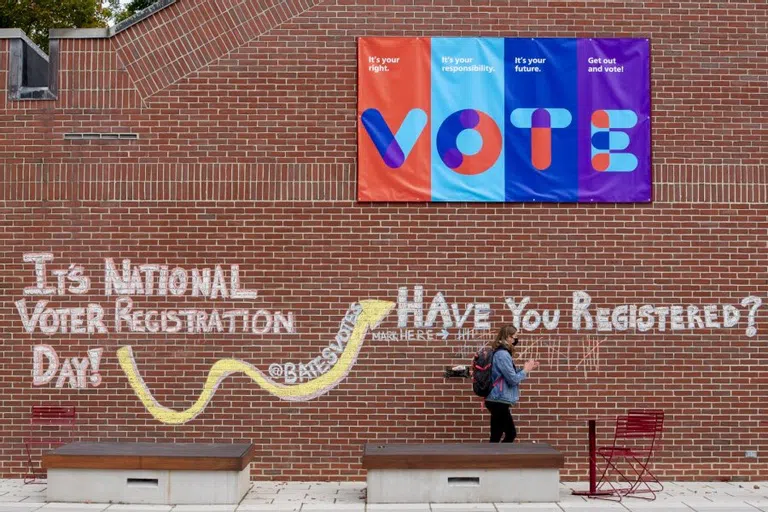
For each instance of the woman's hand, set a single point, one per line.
(530, 365)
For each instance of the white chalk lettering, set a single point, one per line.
(439, 306)
(39, 259)
(482, 315)
(150, 279)
(40, 377)
(292, 373)
(404, 308)
(581, 302)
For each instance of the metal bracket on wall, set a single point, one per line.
(457, 372)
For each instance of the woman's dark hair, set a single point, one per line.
(501, 337)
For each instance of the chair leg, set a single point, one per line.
(616, 492)
(31, 477)
(635, 490)
(28, 477)
(653, 479)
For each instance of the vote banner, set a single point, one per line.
(504, 120)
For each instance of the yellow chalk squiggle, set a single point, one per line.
(373, 311)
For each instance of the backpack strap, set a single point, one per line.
(497, 382)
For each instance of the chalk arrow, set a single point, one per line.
(373, 312)
(444, 333)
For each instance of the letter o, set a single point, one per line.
(177, 283)
(448, 134)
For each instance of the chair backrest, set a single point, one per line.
(52, 415)
(640, 424)
(646, 413)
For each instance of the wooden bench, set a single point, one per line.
(152, 473)
(462, 473)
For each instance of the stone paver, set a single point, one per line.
(140, 508)
(405, 507)
(350, 497)
(463, 507)
(73, 507)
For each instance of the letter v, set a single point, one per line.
(30, 323)
(394, 149)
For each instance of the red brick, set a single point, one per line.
(247, 155)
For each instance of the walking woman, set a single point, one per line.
(506, 378)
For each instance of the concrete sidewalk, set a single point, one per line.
(350, 496)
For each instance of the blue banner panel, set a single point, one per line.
(467, 119)
(540, 145)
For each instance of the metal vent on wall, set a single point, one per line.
(101, 136)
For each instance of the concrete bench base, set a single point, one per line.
(157, 487)
(463, 485)
(462, 472)
(149, 473)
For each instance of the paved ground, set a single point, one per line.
(343, 497)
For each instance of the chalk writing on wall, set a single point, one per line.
(131, 281)
(583, 315)
(46, 366)
(473, 340)
(367, 315)
(419, 320)
(411, 335)
(329, 356)
(452, 315)
(559, 355)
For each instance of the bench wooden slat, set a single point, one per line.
(149, 456)
(461, 456)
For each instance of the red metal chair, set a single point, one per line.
(651, 478)
(636, 437)
(44, 416)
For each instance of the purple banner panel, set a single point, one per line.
(614, 120)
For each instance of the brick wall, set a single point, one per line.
(246, 155)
